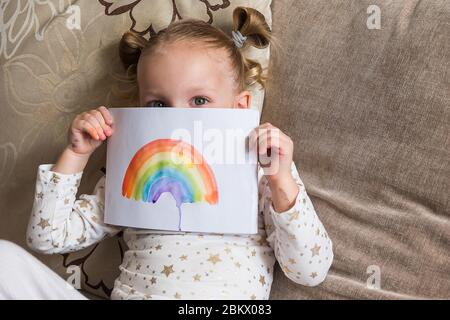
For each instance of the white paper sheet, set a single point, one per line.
(151, 184)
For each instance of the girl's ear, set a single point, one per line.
(243, 100)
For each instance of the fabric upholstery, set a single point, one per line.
(369, 112)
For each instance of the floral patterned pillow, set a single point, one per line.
(59, 58)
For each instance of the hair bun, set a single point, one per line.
(130, 48)
(252, 24)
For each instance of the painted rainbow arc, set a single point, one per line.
(168, 165)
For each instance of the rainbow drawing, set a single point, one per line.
(168, 165)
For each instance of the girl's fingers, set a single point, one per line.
(85, 126)
(262, 143)
(277, 137)
(265, 137)
(266, 125)
(270, 127)
(92, 120)
(253, 138)
(256, 133)
(106, 115)
(96, 123)
(272, 142)
(276, 140)
(99, 116)
(268, 138)
(282, 145)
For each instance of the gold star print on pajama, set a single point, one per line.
(178, 265)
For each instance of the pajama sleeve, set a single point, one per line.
(59, 222)
(299, 240)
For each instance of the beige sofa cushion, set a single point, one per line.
(50, 73)
(369, 112)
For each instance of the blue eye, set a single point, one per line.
(156, 104)
(198, 101)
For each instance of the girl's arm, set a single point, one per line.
(297, 236)
(59, 222)
(300, 242)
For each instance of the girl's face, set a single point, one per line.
(188, 75)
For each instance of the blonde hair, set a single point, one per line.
(248, 21)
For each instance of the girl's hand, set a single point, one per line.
(275, 152)
(89, 129)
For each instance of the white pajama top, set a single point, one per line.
(185, 265)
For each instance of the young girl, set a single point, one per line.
(191, 64)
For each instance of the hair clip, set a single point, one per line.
(238, 38)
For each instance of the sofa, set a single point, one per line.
(361, 86)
